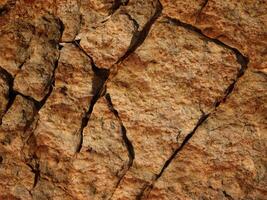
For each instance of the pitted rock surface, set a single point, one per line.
(133, 99)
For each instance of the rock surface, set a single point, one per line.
(133, 99)
(225, 158)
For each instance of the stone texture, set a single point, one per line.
(104, 99)
(16, 177)
(14, 44)
(35, 77)
(184, 10)
(161, 100)
(4, 92)
(93, 172)
(61, 117)
(69, 13)
(226, 157)
(107, 39)
(239, 24)
(29, 53)
(103, 158)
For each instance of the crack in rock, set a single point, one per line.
(242, 60)
(127, 142)
(140, 36)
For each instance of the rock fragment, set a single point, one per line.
(109, 40)
(241, 25)
(226, 156)
(103, 158)
(162, 90)
(69, 12)
(16, 177)
(61, 117)
(36, 75)
(4, 93)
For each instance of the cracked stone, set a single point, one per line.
(163, 90)
(185, 10)
(18, 115)
(141, 11)
(16, 176)
(69, 13)
(94, 12)
(4, 92)
(103, 157)
(14, 45)
(242, 24)
(35, 77)
(109, 41)
(118, 99)
(61, 116)
(98, 166)
(227, 154)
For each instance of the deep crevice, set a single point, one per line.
(98, 89)
(201, 9)
(117, 4)
(35, 168)
(127, 142)
(11, 93)
(242, 60)
(140, 36)
(33, 161)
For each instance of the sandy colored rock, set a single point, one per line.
(161, 92)
(36, 75)
(98, 96)
(239, 24)
(242, 25)
(69, 13)
(108, 41)
(19, 115)
(226, 157)
(141, 11)
(61, 117)
(185, 10)
(99, 165)
(103, 158)
(94, 12)
(16, 177)
(14, 44)
(4, 92)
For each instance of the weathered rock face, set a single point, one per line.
(226, 156)
(114, 99)
(239, 24)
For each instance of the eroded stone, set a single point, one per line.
(69, 13)
(226, 156)
(161, 92)
(61, 117)
(241, 25)
(4, 92)
(109, 41)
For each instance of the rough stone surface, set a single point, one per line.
(4, 93)
(16, 177)
(148, 102)
(133, 99)
(61, 117)
(227, 155)
(239, 24)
